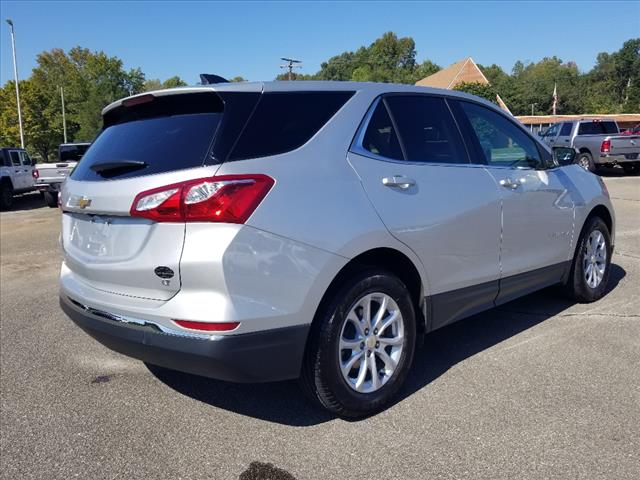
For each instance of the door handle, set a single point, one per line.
(566, 139)
(398, 181)
(510, 183)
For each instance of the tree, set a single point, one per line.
(238, 79)
(480, 89)
(388, 59)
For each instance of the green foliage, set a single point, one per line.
(480, 89)
(156, 84)
(91, 80)
(388, 59)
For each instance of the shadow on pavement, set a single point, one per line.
(284, 403)
(27, 201)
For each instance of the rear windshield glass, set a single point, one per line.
(285, 121)
(71, 153)
(597, 128)
(148, 146)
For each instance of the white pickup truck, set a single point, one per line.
(49, 176)
(597, 143)
(16, 175)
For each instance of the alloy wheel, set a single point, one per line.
(594, 260)
(371, 342)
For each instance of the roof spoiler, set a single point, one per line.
(210, 79)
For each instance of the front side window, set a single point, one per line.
(502, 143)
(381, 137)
(566, 129)
(427, 129)
(552, 131)
(25, 159)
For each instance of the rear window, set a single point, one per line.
(160, 145)
(285, 121)
(71, 153)
(597, 128)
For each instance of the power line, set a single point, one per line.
(290, 65)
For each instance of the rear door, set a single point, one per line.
(27, 170)
(537, 204)
(415, 169)
(143, 148)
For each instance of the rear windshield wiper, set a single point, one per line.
(118, 165)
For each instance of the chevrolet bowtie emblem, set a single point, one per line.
(84, 202)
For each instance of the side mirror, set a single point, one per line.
(564, 156)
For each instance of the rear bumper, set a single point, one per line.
(263, 356)
(618, 158)
(48, 187)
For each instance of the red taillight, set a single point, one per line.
(208, 327)
(35, 173)
(606, 146)
(226, 199)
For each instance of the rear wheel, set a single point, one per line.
(585, 160)
(362, 346)
(591, 264)
(6, 196)
(631, 168)
(51, 199)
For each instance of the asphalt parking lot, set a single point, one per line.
(539, 388)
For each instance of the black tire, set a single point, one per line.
(51, 199)
(322, 379)
(631, 168)
(585, 160)
(6, 196)
(577, 286)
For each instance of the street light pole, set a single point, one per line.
(15, 75)
(64, 118)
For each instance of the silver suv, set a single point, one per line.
(315, 230)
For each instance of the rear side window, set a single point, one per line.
(15, 159)
(285, 121)
(566, 129)
(427, 129)
(380, 137)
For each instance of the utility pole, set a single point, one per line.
(290, 65)
(533, 105)
(15, 76)
(64, 118)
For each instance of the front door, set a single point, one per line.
(537, 206)
(416, 171)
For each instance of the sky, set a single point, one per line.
(166, 38)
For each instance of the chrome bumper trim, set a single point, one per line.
(156, 327)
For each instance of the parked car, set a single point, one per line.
(632, 131)
(49, 176)
(598, 143)
(316, 230)
(16, 175)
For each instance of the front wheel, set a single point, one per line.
(362, 346)
(591, 264)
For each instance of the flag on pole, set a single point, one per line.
(555, 98)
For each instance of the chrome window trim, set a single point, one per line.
(357, 148)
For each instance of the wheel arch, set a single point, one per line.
(384, 258)
(5, 180)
